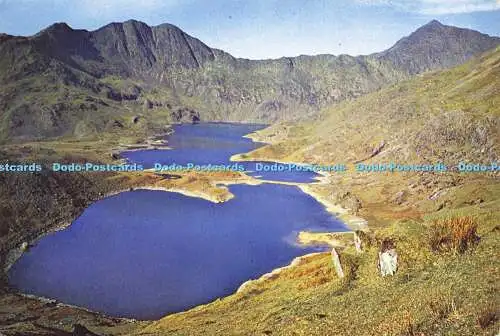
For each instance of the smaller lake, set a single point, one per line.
(214, 143)
(144, 254)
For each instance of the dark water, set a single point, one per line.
(214, 143)
(144, 254)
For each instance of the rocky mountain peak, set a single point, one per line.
(133, 22)
(143, 51)
(433, 28)
(56, 28)
(434, 46)
(433, 24)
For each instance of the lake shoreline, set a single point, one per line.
(353, 222)
(275, 272)
(332, 208)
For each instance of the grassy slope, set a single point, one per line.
(448, 117)
(440, 105)
(440, 116)
(41, 107)
(431, 294)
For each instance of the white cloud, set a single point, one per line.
(108, 7)
(100, 8)
(115, 4)
(437, 7)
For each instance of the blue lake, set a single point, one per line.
(144, 254)
(213, 143)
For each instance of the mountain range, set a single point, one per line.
(79, 83)
(129, 78)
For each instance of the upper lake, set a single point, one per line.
(144, 254)
(213, 143)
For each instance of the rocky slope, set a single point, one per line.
(444, 117)
(436, 46)
(70, 82)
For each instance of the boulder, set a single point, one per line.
(364, 239)
(353, 204)
(387, 258)
(388, 262)
(114, 95)
(336, 263)
(357, 243)
(115, 124)
(24, 246)
(399, 198)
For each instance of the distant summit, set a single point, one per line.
(58, 26)
(435, 46)
(433, 23)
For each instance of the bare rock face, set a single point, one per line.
(347, 200)
(423, 49)
(186, 115)
(80, 330)
(372, 151)
(387, 258)
(269, 108)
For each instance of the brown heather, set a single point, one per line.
(453, 234)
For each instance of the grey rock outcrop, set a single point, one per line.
(336, 263)
(387, 259)
(388, 262)
(357, 243)
(400, 197)
(80, 330)
(186, 115)
(421, 50)
(347, 200)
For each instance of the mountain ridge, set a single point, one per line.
(432, 25)
(73, 82)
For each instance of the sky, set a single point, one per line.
(259, 29)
